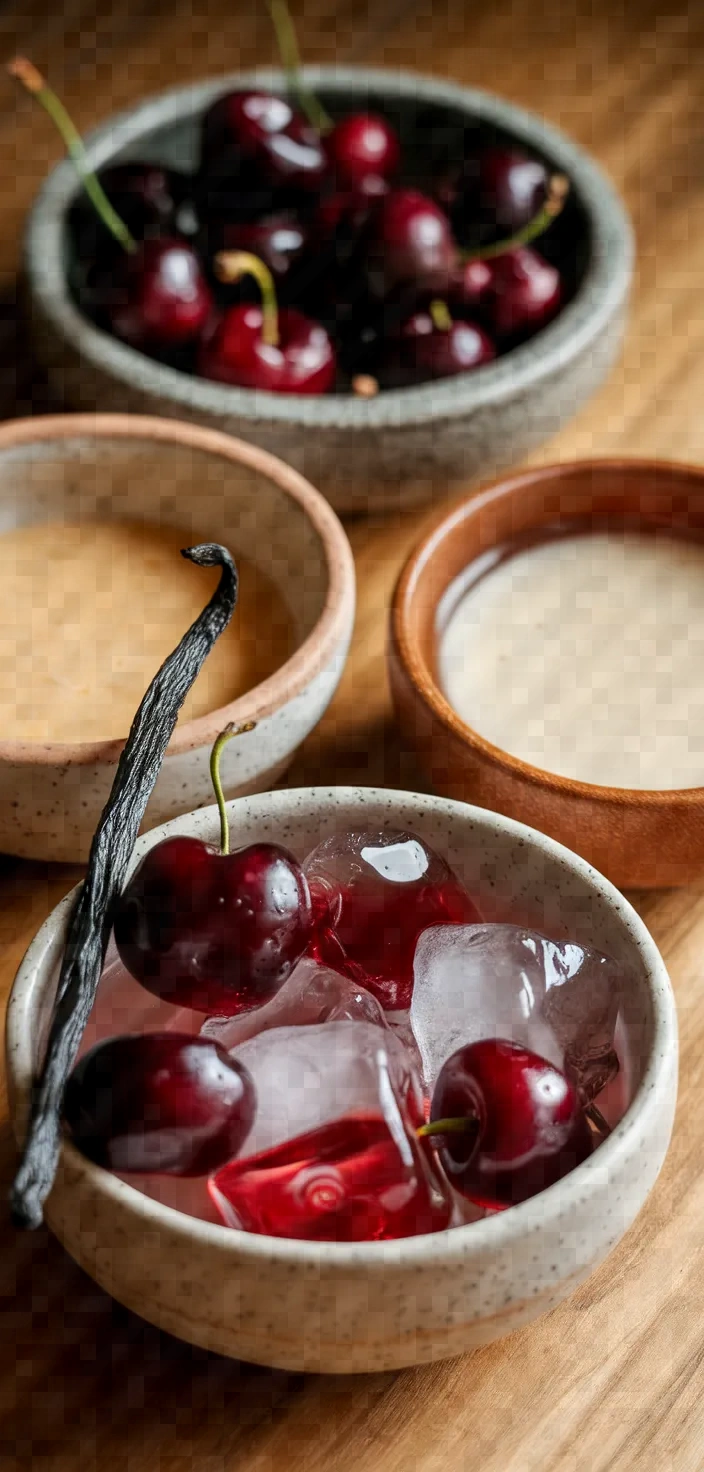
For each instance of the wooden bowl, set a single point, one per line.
(644, 838)
(77, 468)
(337, 1307)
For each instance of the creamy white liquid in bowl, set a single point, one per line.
(584, 655)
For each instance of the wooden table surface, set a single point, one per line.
(614, 1379)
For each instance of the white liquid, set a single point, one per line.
(584, 655)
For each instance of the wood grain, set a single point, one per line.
(613, 1381)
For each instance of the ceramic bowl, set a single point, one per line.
(637, 837)
(122, 467)
(403, 446)
(378, 1306)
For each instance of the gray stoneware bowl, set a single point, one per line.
(405, 445)
(77, 468)
(378, 1305)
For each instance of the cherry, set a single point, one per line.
(278, 240)
(512, 1123)
(216, 931)
(431, 345)
(149, 199)
(411, 241)
(349, 1181)
(361, 148)
(159, 1102)
(471, 286)
(262, 347)
(254, 145)
(500, 187)
(374, 893)
(162, 298)
(525, 293)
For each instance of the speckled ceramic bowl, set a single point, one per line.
(76, 468)
(378, 1306)
(403, 446)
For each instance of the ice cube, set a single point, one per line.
(374, 892)
(312, 994)
(305, 1077)
(333, 1153)
(555, 997)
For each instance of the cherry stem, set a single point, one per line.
(34, 83)
(231, 266)
(440, 316)
(215, 755)
(464, 1126)
(558, 190)
(287, 42)
(365, 386)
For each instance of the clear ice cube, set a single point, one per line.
(333, 1153)
(312, 994)
(305, 1077)
(555, 997)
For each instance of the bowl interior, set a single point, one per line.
(75, 476)
(517, 874)
(535, 504)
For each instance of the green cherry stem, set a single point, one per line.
(231, 266)
(558, 190)
(34, 83)
(287, 42)
(215, 755)
(464, 1126)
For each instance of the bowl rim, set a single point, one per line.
(424, 682)
(493, 1233)
(307, 659)
(600, 297)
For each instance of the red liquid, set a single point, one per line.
(350, 1181)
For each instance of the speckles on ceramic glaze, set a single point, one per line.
(374, 1306)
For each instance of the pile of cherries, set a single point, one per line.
(297, 259)
(220, 933)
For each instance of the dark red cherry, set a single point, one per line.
(353, 1180)
(234, 351)
(502, 188)
(525, 293)
(147, 197)
(426, 348)
(161, 1102)
(279, 240)
(526, 1127)
(216, 932)
(411, 242)
(161, 298)
(471, 287)
(374, 893)
(362, 147)
(254, 145)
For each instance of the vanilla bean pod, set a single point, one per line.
(113, 842)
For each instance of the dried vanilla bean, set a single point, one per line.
(111, 850)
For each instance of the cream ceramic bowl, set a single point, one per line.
(377, 1306)
(85, 467)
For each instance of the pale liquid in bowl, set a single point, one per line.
(89, 612)
(583, 654)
